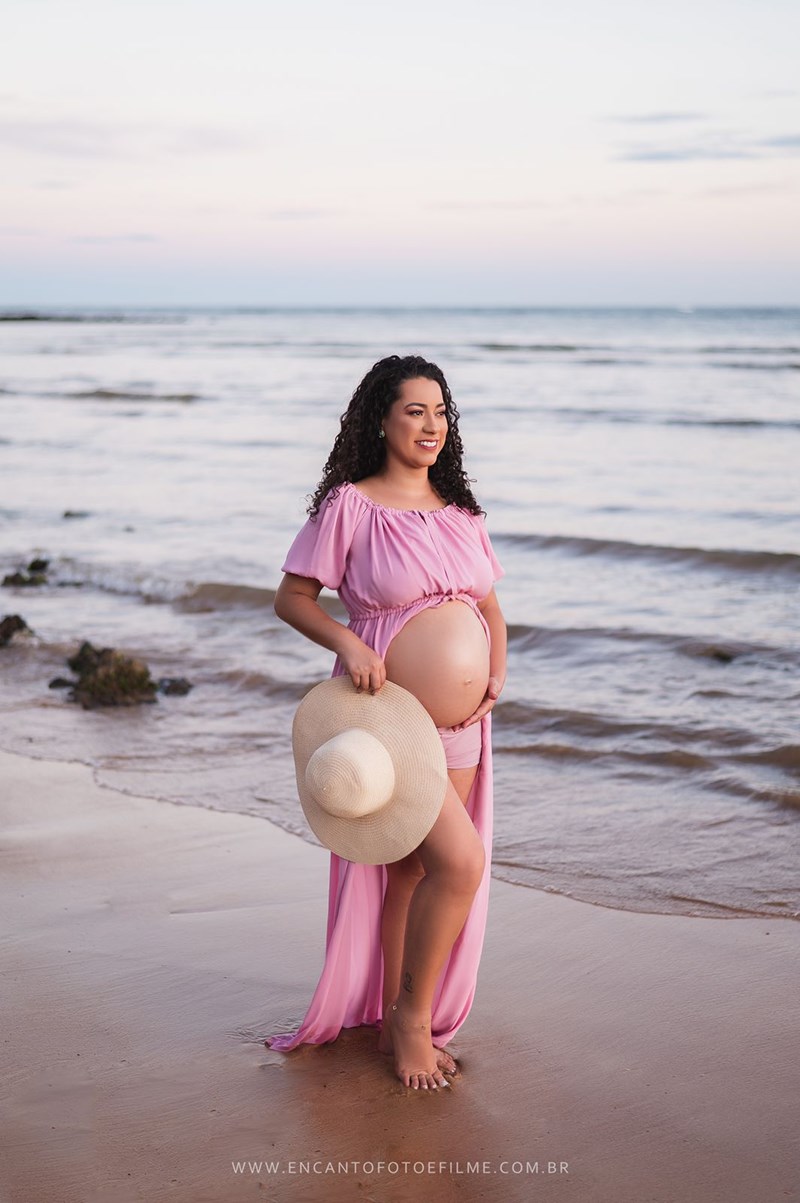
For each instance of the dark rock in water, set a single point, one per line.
(109, 678)
(9, 627)
(21, 578)
(174, 685)
(62, 683)
(722, 655)
(35, 574)
(75, 514)
(86, 659)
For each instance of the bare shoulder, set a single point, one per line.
(370, 486)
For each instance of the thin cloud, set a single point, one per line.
(299, 214)
(75, 138)
(71, 139)
(682, 154)
(659, 118)
(776, 188)
(564, 202)
(783, 142)
(98, 238)
(204, 141)
(478, 206)
(777, 93)
(712, 148)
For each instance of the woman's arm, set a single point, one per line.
(490, 609)
(296, 603)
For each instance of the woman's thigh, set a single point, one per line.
(453, 844)
(411, 866)
(462, 780)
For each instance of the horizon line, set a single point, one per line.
(31, 310)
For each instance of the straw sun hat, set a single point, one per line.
(371, 771)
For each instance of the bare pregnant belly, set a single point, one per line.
(441, 655)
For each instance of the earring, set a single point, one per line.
(381, 433)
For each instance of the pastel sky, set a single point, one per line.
(430, 151)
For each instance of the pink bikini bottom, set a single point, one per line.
(462, 749)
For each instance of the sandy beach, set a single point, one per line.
(149, 948)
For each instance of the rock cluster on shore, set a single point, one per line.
(105, 676)
(36, 574)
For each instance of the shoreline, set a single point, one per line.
(714, 911)
(154, 946)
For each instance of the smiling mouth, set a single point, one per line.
(428, 444)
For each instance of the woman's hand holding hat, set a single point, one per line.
(363, 665)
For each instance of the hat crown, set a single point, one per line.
(351, 775)
(378, 777)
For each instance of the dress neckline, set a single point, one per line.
(393, 509)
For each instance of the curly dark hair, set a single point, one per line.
(358, 451)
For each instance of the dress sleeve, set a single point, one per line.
(498, 570)
(320, 549)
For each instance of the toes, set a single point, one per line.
(424, 1080)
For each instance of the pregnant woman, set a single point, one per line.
(395, 529)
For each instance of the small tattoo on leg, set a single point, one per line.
(407, 986)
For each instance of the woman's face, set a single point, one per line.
(415, 425)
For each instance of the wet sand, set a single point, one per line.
(149, 948)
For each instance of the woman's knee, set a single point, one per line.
(474, 863)
(453, 849)
(461, 865)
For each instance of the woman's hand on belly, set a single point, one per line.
(363, 665)
(490, 697)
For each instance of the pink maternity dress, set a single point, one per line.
(387, 565)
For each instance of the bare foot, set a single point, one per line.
(447, 1063)
(415, 1058)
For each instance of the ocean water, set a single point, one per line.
(639, 473)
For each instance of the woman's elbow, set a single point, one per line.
(289, 599)
(282, 602)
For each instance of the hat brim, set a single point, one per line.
(407, 731)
